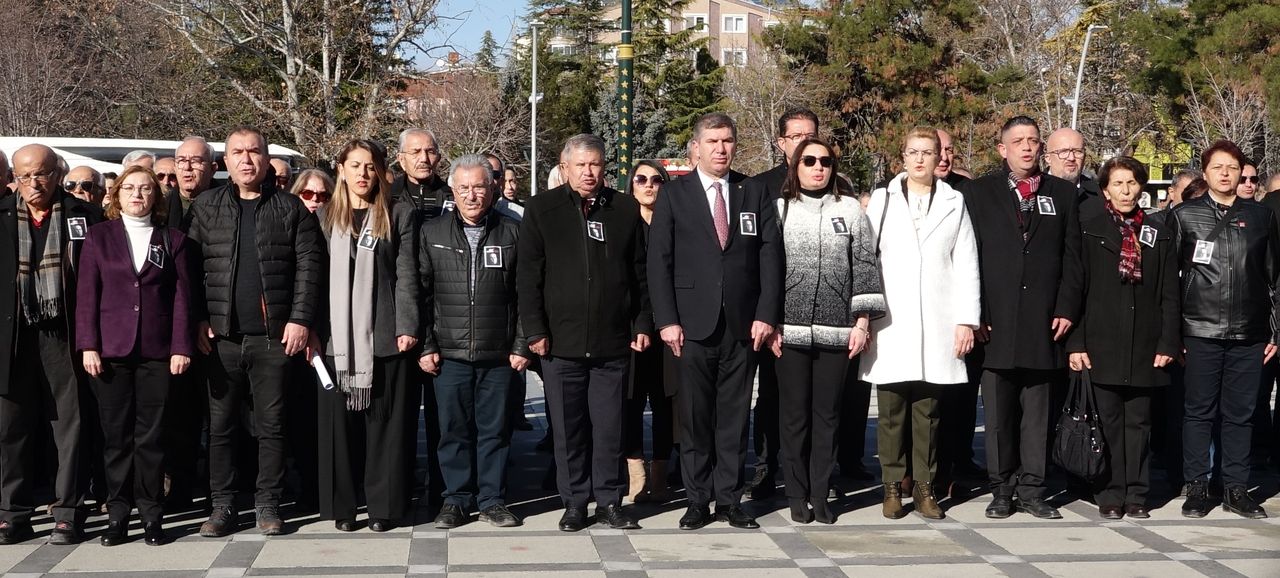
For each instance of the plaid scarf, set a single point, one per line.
(1130, 253)
(1026, 189)
(40, 286)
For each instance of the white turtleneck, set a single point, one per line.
(138, 230)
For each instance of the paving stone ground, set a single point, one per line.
(861, 543)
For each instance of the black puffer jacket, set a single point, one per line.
(1234, 296)
(290, 257)
(460, 326)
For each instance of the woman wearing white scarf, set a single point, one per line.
(373, 322)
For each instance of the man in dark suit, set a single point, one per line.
(1065, 154)
(1029, 244)
(715, 270)
(794, 126)
(42, 229)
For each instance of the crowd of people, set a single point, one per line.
(160, 320)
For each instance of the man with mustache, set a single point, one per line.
(1029, 247)
(421, 185)
(1065, 154)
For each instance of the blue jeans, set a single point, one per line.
(471, 399)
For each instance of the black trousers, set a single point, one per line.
(584, 399)
(253, 367)
(364, 450)
(184, 424)
(1168, 404)
(433, 479)
(714, 401)
(302, 449)
(44, 395)
(811, 385)
(1125, 413)
(765, 417)
(1266, 420)
(855, 410)
(475, 431)
(131, 395)
(648, 388)
(1221, 384)
(1017, 404)
(958, 417)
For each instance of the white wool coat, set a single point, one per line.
(931, 285)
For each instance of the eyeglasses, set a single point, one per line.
(319, 196)
(478, 190)
(189, 162)
(799, 136)
(1065, 154)
(165, 177)
(643, 180)
(810, 160)
(130, 189)
(1255, 179)
(915, 154)
(39, 177)
(73, 185)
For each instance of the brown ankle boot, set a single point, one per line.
(924, 502)
(635, 485)
(657, 490)
(893, 501)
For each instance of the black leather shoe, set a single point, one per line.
(345, 525)
(736, 517)
(1110, 512)
(1237, 501)
(616, 518)
(695, 517)
(1001, 507)
(573, 520)
(451, 516)
(380, 525)
(64, 534)
(822, 513)
(222, 521)
(115, 533)
(1039, 508)
(153, 534)
(1197, 503)
(499, 516)
(800, 512)
(763, 485)
(1136, 511)
(13, 533)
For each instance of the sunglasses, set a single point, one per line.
(73, 185)
(166, 176)
(1255, 179)
(810, 160)
(643, 180)
(319, 196)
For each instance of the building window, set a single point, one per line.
(735, 23)
(695, 21)
(733, 57)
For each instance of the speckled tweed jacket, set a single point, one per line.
(832, 275)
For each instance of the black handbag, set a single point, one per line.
(1078, 446)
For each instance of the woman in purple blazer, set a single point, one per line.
(132, 326)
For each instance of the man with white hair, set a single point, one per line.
(140, 157)
(419, 157)
(193, 167)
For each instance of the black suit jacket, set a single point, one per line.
(691, 280)
(10, 313)
(1025, 284)
(772, 181)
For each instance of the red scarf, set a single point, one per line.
(1130, 253)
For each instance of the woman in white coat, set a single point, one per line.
(929, 264)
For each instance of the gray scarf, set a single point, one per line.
(40, 283)
(351, 315)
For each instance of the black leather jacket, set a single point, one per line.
(1234, 295)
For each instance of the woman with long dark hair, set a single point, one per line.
(373, 326)
(832, 289)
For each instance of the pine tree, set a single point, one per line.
(486, 58)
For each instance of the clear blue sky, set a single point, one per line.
(463, 23)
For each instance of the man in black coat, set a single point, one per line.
(194, 168)
(42, 229)
(584, 307)
(262, 263)
(1065, 154)
(1028, 237)
(715, 267)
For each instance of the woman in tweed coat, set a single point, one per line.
(832, 290)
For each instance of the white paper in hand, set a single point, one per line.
(321, 372)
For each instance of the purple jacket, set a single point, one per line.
(116, 306)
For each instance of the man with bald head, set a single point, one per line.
(166, 172)
(945, 169)
(1065, 155)
(41, 232)
(283, 174)
(85, 184)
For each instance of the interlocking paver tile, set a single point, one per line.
(331, 553)
(925, 571)
(575, 549)
(1169, 569)
(734, 573)
(881, 543)
(1253, 537)
(547, 574)
(974, 512)
(11, 555)
(706, 546)
(1269, 567)
(138, 557)
(1051, 540)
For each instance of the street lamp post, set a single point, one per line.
(1084, 53)
(626, 92)
(534, 97)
